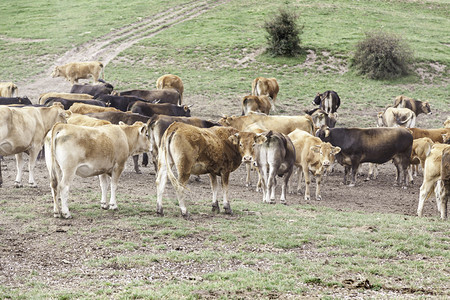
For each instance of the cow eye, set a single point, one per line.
(253, 145)
(240, 145)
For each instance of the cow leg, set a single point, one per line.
(284, 185)
(354, 171)
(136, 164)
(145, 159)
(31, 164)
(264, 184)
(271, 185)
(214, 188)
(247, 179)
(444, 200)
(426, 189)
(114, 182)
(161, 180)
(55, 194)
(1, 176)
(226, 204)
(104, 182)
(259, 184)
(182, 179)
(318, 183)
(410, 173)
(307, 183)
(19, 165)
(64, 186)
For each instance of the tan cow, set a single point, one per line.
(260, 104)
(91, 151)
(23, 130)
(71, 96)
(266, 86)
(420, 149)
(416, 106)
(196, 151)
(79, 70)
(434, 134)
(431, 176)
(8, 89)
(82, 120)
(445, 181)
(282, 124)
(82, 108)
(171, 81)
(312, 155)
(396, 117)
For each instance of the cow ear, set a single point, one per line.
(327, 132)
(336, 150)
(315, 148)
(143, 130)
(260, 138)
(66, 114)
(234, 138)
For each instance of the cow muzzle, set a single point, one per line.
(247, 159)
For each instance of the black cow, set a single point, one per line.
(15, 100)
(374, 145)
(117, 116)
(103, 88)
(321, 118)
(120, 102)
(67, 103)
(167, 95)
(150, 109)
(328, 101)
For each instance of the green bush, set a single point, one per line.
(382, 56)
(283, 33)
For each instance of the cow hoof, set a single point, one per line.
(138, 171)
(67, 216)
(215, 208)
(228, 211)
(272, 202)
(351, 185)
(160, 212)
(113, 207)
(186, 216)
(33, 185)
(367, 179)
(57, 215)
(17, 184)
(283, 202)
(104, 206)
(318, 198)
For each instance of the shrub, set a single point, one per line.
(283, 33)
(382, 56)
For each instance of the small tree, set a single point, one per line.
(283, 33)
(382, 56)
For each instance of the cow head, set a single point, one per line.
(380, 122)
(323, 133)
(187, 110)
(56, 72)
(326, 153)
(446, 138)
(247, 142)
(318, 99)
(425, 107)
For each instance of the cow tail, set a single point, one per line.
(103, 71)
(173, 179)
(255, 88)
(54, 166)
(311, 123)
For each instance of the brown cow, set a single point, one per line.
(8, 89)
(79, 70)
(416, 106)
(282, 124)
(171, 81)
(434, 134)
(265, 86)
(71, 96)
(259, 104)
(196, 151)
(91, 151)
(82, 108)
(396, 117)
(23, 130)
(431, 176)
(311, 155)
(328, 101)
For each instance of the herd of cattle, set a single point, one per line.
(93, 130)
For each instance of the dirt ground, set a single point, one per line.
(24, 248)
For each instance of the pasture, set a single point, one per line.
(364, 242)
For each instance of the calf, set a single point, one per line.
(311, 155)
(274, 155)
(374, 145)
(259, 104)
(431, 174)
(328, 101)
(79, 70)
(396, 117)
(23, 130)
(8, 89)
(150, 109)
(91, 151)
(95, 90)
(67, 103)
(416, 106)
(196, 151)
(15, 100)
(265, 86)
(170, 81)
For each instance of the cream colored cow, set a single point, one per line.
(8, 89)
(79, 70)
